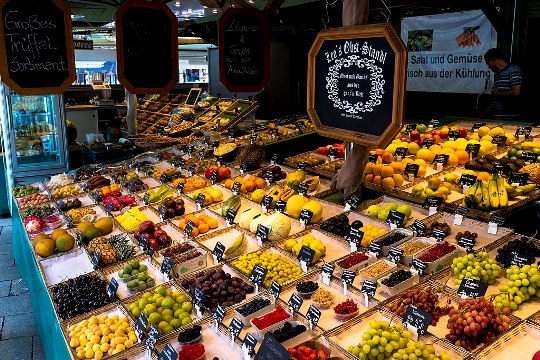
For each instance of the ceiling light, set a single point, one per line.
(214, 11)
(177, 3)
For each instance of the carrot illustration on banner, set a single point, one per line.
(469, 38)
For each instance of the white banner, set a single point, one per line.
(446, 52)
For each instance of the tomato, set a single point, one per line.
(308, 351)
(313, 356)
(301, 348)
(293, 352)
(321, 355)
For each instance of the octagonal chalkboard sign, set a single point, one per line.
(356, 83)
(36, 46)
(147, 47)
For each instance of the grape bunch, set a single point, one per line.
(523, 246)
(524, 283)
(476, 321)
(383, 341)
(425, 299)
(476, 266)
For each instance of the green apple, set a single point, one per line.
(406, 209)
(383, 214)
(373, 211)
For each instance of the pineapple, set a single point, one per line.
(108, 254)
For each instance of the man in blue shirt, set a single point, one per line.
(507, 86)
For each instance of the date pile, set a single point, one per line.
(425, 299)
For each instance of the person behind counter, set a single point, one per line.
(507, 88)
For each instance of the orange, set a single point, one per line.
(435, 148)
(398, 167)
(212, 223)
(252, 178)
(229, 183)
(482, 175)
(194, 219)
(407, 161)
(420, 162)
(260, 183)
(250, 185)
(423, 154)
(434, 183)
(369, 168)
(463, 156)
(203, 217)
(377, 180)
(388, 183)
(243, 189)
(195, 232)
(453, 160)
(398, 180)
(422, 171)
(368, 178)
(387, 171)
(377, 169)
(203, 228)
(431, 156)
(387, 157)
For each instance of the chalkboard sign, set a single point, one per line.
(271, 349)
(472, 288)
(244, 50)
(418, 318)
(192, 98)
(147, 38)
(36, 46)
(356, 83)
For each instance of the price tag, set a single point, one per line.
(494, 223)
(200, 201)
(347, 278)
(355, 238)
(236, 188)
(164, 178)
(85, 186)
(497, 169)
(273, 160)
(243, 167)
(441, 159)
(432, 203)
(214, 177)
(417, 318)
(140, 326)
(305, 216)
(477, 125)
(453, 134)
(146, 167)
(162, 210)
(427, 142)
(146, 197)
(459, 214)
(257, 276)
(332, 152)
(218, 252)
(168, 353)
(198, 301)
(188, 230)
(69, 222)
(95, 195)
(410, 128)
(262, 234)
(305, 256)
(523, 131)
(303, 189)
(400, 153)
(151, 251)
(248, 346)
(395, 255)
(395, 219)
(352, 202)
(472, 149)
(419, 227)
(271, 349)
(219, 160)
(467, 180)
(201, 154)
(113, 287)
(166, 266)
(373, 158)
(143, 241)
(302, 165)
(520, 260)
(275, 290)
(230, 216)
(191, 169)
(235, 327)
(313, 315)
(326, 273)
(419, 266)
(153, 335)
(375, 248)
(472, 288)
(369, 288)
(411, 170)
(438, 234)
(280, 206)
(181, 163)
(467, 243)
(529, 156)
(499, 140)
(95, 260)
(295, 302)
(266, 202)
(130, 185)
(519, 178)
(252, 138)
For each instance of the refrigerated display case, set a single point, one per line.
(33, 137)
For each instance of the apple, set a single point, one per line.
(421, 128)
(322, 150)
(443, 134)
(414, 135)
(146, 227)
(536, 356)
(208, 172)
(418, 141)
(463, 132)
(223, 173)
(435, 132)
(408, 140)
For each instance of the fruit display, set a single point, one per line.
(189, 335)
(522, 246)
(170, 174)
(95, 182)
(136, 277)
(397, 277)
(33, 199)
(288, 331)
(392, 238)
(117, 203)
(534, 172)
(295, 178)
(414, 246)
(339, 225)
(155, 236)
(271, 318)
(203, 223)
(442, 226)
(176, 250)
(476, 266)
(108, 190)
(125, 177)
(297, 203)
(24, 190)
(325, 150)
(435, 187)
(437, 251)
(252, 155)
(82, 294)
(97, 336)
(112, 249)
(487, 197)
(381, 213)
(222, 171)
(329, 167)
(311, 159)
(131, 219)
(306, 288)
(219, 288)
(159, 194)
(277, 193)
(78, 214)
(68, 204)
(488, 162)
(376, 270)
(226, 150)
(191, 351)
(65, 191)
(353, 260)
(346, 310)
(191, 183)
(211, 195)
(173, 208)
(38, 211)
(277, 173)
(91, 230)
(253, 306)
(427, 299)
(137, 185)
(280, 269)
(524, 282)
(303, 352)
(323, 299)
(59, 180)
(248, 184)
(386, 176)
(295, 245)
(238, 246)
(467, 235)
(199, 166)
(515, 152)
(233, 203)
(166, 308)
(59, 240)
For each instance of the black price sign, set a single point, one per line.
(207, 140)
(218, 251)
(109, 208)
(192, 168)
(236, 188)
(467, 180)
(219, 314)
(266, 202)
(95, 195)
(230, 216)
(262, 233)
(306, 254)
(235, 327)
(295, 302)
(347, 277)
(395, 217)
(302, 165)
(332, 152)
(395, 255)
(412, 169)
(355, 236)
(419, 227)
(243, 167)
(274, 132)
(113, 287)
(401, 152)
(168, 353)
(214, 177)
(520, 259)
(280, 206)
(418, 318)
(146, 197)
(353, 201)
(466, 243)
(499, 140)
(151, 251)
(472, 149)
(162, 210)
(529, 156)
(520, 178)
(69, 221)
(499, 220)
(181, 163)
(275, 289)
(166, 266)
(410, 128)
(202, 154)
(130, 185)
(441, 159)
(140, 326)
(375, 248)
(305, 216)
(477, 125)
(153, 334)
(200, 200)
(188, 230)
(274, 159)
(373, 158)
(258, 274)
(215, 145)
(438, 234)
(252, 138)
(143, 241)
(427, 142)
(164, 178)
(198, 297)
(419, 266)
(328, 269)
(432, 202)
(249, 344)
(524, 131)
(369, 288)
(219, 160)
(95, 260)
(271, 349)
(460, 210)
(313, 315)
(472, 288)
(453, 134)
(303, 189)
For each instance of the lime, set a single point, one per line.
(186, 321)
(160, 290)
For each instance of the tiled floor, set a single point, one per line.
(18, 336)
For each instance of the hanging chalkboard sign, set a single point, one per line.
(147, 38)
(193, 96)
(356, 83)
(244, 50)
(36, 46)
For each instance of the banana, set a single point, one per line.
(527, 188)
(493, 192)
(485, 204)
(503, 195)
(236, 246)
(478, 195)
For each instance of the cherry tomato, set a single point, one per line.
(313, 356)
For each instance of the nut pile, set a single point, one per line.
(378, 268)
(414, 246)
(323, 296)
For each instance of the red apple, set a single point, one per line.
(536, 356)
(208, 172)
(224, 173)
(415, 135)
(146, 227)
(418, 141)
(463, 132)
